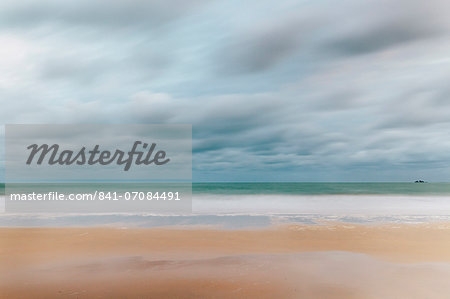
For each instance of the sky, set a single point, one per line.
(275, 90)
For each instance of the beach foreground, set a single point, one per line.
(294, 261)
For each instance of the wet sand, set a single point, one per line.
(293, 261)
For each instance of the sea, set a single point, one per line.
(253, 205)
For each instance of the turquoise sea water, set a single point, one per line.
(312, 188)
(322, 188)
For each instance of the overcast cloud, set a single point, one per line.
(291, 90)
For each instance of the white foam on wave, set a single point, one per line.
(210, 204)
(327, 205)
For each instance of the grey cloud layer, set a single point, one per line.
(310, 92)
(348, 29)
(102, 13)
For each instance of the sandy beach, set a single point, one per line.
(334, 260)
